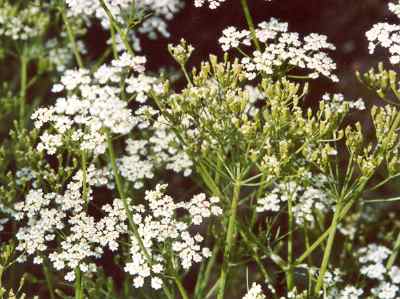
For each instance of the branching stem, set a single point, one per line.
(23, 87)
(72, 40)
(229, 240)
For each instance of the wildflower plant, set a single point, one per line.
(86, 158)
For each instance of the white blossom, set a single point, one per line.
(255, 292)
(158, 226)
(281, 47)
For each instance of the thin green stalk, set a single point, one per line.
(259, 193)
(206, 277)
(189, 81)
(128, 212)
(289, 271)
(49, 280)
(394, 254)
(250, 23)
(325, 235)
(114, 23)
(212, 290)
(113, 41)
(23, 87)
(328, 249)
(255, 256)
(309, 259)
(84, 179)
(78, 274)
(78, 284)
(181, 289)
(229, 240)
(71, 37)
(120, 189)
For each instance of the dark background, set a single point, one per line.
(343, 21)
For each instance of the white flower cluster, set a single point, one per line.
(282, 49)
(350, 292)
(254, 94)
(92, 106)
(395, 8)
(158, 227)
(212, 4)
(24, 24)
(60, 57)
(7, 213)
(50, 215)
(255, 292)
(373, 266)
(336, 102)
(386, 36)
(305, 200)
(161, 149)
(161, 11)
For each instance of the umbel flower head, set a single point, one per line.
(20, 23)
(160, 228)
(92, 106)
(387, 36)
(153, 24)
(281, 51)
(47, 216)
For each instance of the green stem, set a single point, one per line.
(206, 277)
(114, 23)
(181, 289)
(49, 280)
(309, 259)
(71, 37)
(78, 284)
(325, 235)
(128, 212)
(213, 289)
(328, 249)
(255, 256)
(84, 179)
(120, 189)
(78, 274)
(394, 254)
(250, 23)
(289, 272)
(229, 240)
(189, 81)
(113, 40)
(23, 87)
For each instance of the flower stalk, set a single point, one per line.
(328, 249)
(229, 239)
(72, 39)
(23, 88)
(114, 23)
(250, 23)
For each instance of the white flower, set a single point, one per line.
(212, 4)
(282, 47)
(160, 227)
(161, 11)
(268, 203)
(350, 292)
(386, 36)
(255, 292)
(385, 291)
(394, 274)
(51, 214)
(156, 283)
